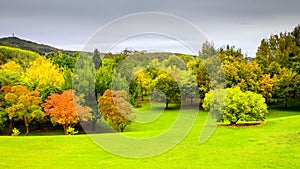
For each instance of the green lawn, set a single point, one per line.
(275, 144)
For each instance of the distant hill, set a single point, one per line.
(29, 45)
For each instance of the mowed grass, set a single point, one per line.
(275, 144)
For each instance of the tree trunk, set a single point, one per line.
(233, 122)
(191, 101)
(27, 128)
(39, 127)
(10, 127)
(65, 129)
(94, 121)
(167, 104)
(142, 94)
(286, 103)
(201, 103)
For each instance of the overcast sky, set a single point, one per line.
(69, 24)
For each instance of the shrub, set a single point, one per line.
(238, 106)
(71, 131)
(15, 132)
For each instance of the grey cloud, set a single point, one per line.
(70, 23)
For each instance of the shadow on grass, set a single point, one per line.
(245, 124)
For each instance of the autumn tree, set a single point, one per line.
(267, 86)
(244, 74)
(115, 109)
(239, 105)
(24, 105)
(64, 109)
(36, 75)
(203, 80)
(143, 83)
(3, 105)
(10, 74)
(11, 65)
(43, 75)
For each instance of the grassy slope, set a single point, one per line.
(273, 145)
(22, 57)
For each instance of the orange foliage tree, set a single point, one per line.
(23, 104)
(64, 109)
(115, 109)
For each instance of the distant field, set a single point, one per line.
(275, 144)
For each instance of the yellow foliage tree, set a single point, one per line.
(11, 65)
(143, 83)
(10, 74)
(42, 73)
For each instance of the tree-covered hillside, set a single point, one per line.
(29, 45)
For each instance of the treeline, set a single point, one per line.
(38, 88)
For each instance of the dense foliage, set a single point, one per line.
(238, 106)
(23, 105)
(115, 109)
(65, 109)
(103, 81)
(20, 56)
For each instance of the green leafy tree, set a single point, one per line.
(3, 118)
(84, 84)
(68, 79)
(169, 87)
(64, 61)
(154, 69)
(104, 76)
(97, 59)
(273, 69)
(188, 85)
(286, 86)
(239, 106)
(174, 60)
(282, 49)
